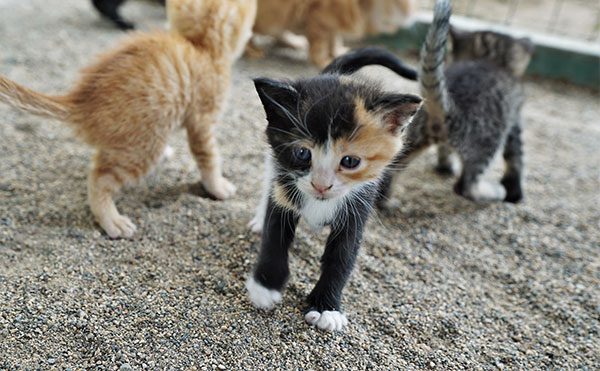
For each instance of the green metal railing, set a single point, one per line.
(554, 57)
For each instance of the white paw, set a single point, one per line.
(454, 164)
(118, 227)
(261, 296)
(485, 190)
(168, 153)
(291, 40)
(390, 204)
(328, 320)
(256, 224)
(341, 50)
(221, 188)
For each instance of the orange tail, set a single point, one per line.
(27, 100)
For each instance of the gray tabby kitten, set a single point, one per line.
(472, 108)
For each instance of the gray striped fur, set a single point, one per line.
(431, 71)
(472, 108)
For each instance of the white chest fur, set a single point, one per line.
(318, 213)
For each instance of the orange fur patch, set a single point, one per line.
(128, 102)
(372, 142)
(280, 197)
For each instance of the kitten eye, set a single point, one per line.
(350, 162)
(302, 154)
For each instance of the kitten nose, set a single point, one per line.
(321, 189)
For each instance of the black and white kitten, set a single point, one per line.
(472, 108)
(331, 139)
(110, 10)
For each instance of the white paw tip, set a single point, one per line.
(261, 296)
(328, 320)
(221, 189)
(390, 204)
(256, 225)
(120, 227)
(169, 152)
(488, 191)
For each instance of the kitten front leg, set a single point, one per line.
(271, 271)
(513, 158)
(204, 148)
(319, 46)
(110, 9)
(253, 50)
(338, 47)
(448, 162)
(337, 263)
(290, 40)
(471, 185)
(256, 224)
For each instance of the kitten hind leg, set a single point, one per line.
(204, 148)
(448, 162)
(320, 47)
(472, 186)
(110, 173)
(513, 158)
(167, 154)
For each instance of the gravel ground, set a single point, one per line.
(440, 283)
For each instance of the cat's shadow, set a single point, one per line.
(132, 202)
(428, 204)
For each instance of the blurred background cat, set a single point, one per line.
(326, 22)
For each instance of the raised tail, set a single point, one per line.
(431, 70)
(358, 58)
(27, 100)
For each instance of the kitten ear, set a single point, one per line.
(277, 97)
(396, 111)
(521, 51)
(527, 44)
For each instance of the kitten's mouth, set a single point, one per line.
(324, 197)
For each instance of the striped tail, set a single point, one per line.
(431, 71)
(27, 100)
(358, 58)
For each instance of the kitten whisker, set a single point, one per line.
(288, 114)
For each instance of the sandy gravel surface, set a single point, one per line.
(440, 283)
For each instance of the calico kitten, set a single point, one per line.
(324, 22)
(128, 102)
(472, 108)
(331, 138)
(110, 10)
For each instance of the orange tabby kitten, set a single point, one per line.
(133, 96)
(324, 22)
